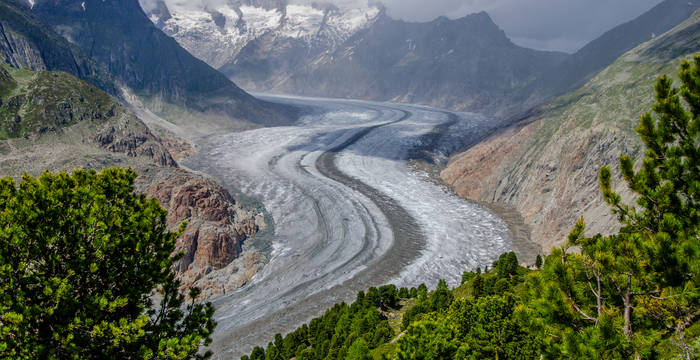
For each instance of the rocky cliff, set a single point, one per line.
(214, 258)
(172, 82)
(26, 42)
(54, 121)
(546, 165)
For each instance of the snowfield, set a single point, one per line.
(348, 211)
(216, 33)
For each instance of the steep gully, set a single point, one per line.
(348, 212)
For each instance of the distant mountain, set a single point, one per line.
(26, 42)
(580, 67)
(464, 64)
(166, 77)
(217, 33)
(355, 50)
(546, 165)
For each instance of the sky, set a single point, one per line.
(562, 25)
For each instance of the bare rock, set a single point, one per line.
(213, 240)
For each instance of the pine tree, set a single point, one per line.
(81, 256)
(649, 268)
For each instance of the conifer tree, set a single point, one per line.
(81, 258)
(647, 274)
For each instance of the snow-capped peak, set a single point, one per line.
(215, 31)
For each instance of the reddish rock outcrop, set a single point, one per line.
(212, 242)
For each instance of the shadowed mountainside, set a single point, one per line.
(169, 80)
(546, 165)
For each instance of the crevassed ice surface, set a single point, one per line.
(375, 221)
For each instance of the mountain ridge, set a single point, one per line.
(122, 39)
(26, 42)
(395, 60)
(546, 165)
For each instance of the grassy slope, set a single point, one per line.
(44, 100)
(546, 166)
(55, 121)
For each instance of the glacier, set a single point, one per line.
(348, 211)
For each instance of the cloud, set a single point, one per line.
(563, 25)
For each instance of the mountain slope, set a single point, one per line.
(546, 165)
(25, 41)
(170, 80)
(54, 121)
(465, 64)
(220, 30)
(577, 69)
(354, 50)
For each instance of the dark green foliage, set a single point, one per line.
(388, 296)
(626, 291)
(501, 286)
(467, 276)
(80, 257)
(477, 286)
(257, 354)
(507, 265)
(538, 261)
(403, 293)
(435, 301)
(428, 339)
(441, 298)
(422, 289)
(340, 332)
(358, 351)
(488, 328)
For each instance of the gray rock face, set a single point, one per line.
(122, 39)
(464, 64)
(354, 50)
(26, 42)
(18, 52)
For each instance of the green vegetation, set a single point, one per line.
(343, 332)
(634, 294)
(35, 102)
(85, 273)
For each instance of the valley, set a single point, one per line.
(339, 182)
(348, 211)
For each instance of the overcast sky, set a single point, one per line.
(563, 25)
